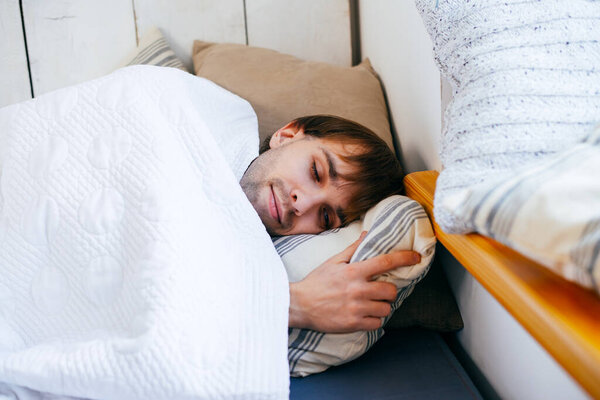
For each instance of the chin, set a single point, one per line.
(271, 230)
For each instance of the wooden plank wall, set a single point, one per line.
(46, 45)
(14, 76)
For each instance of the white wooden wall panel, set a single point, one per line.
(309, 29)
(14, 77)
(73, 41)
(395, 40)
(513, 362)
(183, 21)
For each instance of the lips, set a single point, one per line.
(274, 207)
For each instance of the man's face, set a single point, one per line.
(294, 186)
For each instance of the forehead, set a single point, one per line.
(335, 152)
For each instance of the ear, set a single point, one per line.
(285, 135)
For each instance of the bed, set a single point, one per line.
(355, 30)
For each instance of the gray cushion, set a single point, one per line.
(431, 305)
(405, 364)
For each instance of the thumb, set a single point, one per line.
(346, 254)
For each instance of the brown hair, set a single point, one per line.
(379, 173)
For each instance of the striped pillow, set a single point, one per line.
(396, 223)
(154, 50)
(525, 81)
(550, 212)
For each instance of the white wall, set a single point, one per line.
(514, 364)
(313, 30)
(70, 41)
(14, 78)
(394, 39)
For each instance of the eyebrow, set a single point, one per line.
(334, 177)
(332, 171)
(341, 215)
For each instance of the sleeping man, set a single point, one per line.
(132, 263)
(318, 173)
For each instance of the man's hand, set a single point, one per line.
(341, 297)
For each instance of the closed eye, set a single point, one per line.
(315, 173)
(326, 219)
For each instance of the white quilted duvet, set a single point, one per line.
(131, 264)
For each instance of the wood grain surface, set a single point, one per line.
(562, 316)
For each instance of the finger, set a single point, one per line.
(379, 309)
(385, 291)
(346, 255)
(370, 324)
(387, 262)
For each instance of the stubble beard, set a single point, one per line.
(256, 179)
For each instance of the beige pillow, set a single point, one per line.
(281, 87)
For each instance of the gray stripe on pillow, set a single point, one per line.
(384, 241)
(294, 348)
(385, 214)
(158, 43)
(306, 341)
(302, 333)
(587, 250)
(156, 56)
(285, 244)
(403, 293)
(175, 63)
(504, 212)
(166, 60)
(401, 227)
(525, 190)
(158, 53)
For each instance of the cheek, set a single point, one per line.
(306, 223)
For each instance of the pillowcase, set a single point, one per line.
(395, 223)
(153, 49)
(550, 212)
(525, 80)
(281, 87)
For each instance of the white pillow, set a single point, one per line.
(396, 223)
(550, 212)
(526, 85)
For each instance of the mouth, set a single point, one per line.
(274, 208)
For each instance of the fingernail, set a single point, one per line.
(416, 258)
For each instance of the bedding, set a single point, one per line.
(561, 193)
(525, 81)
(526, 87)
(395, 223)
(132, 264)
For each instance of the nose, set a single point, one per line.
(304, 200)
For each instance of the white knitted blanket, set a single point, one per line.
(526, 80)
(132, 265)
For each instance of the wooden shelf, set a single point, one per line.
(562, 316)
